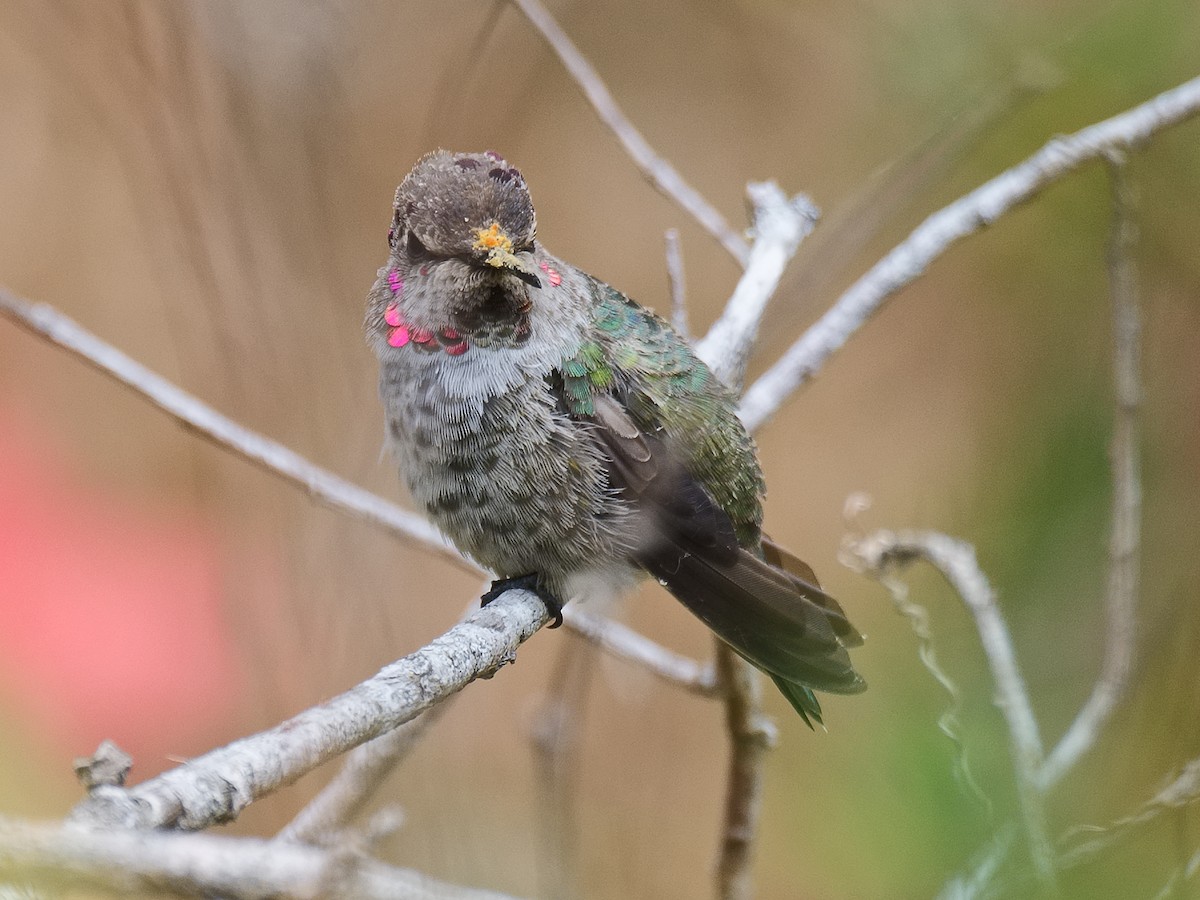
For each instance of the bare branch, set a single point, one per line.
(216, 787)
(1184, 873)
(987, 864)
(360, 777)
(676, 284)
(556, 736)
(324, 819)
(50, 324)
(936, 234)
(625, 643)
(918, 619)
(780, 224)
(751, 735)
(956, 561)
(200, 865)
(1180, 791)
(1088, 841)
(660, 173)
(1125, 538)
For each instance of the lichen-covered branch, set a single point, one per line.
(216, 787)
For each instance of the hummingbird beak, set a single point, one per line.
(523, 269)
(499, 254)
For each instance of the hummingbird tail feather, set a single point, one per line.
(786, 627)
(803, 701)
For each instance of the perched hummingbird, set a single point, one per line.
(568, 439)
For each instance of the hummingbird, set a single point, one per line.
(569, 440)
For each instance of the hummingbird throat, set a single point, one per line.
(454, 340)
(401, 333)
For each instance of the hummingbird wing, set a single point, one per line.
(677, 452)
(780, 622)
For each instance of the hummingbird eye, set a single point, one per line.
(414, 246)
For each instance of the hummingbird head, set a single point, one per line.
(472, 209)
(462, 240)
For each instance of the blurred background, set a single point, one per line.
(208, 187)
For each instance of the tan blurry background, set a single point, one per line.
(208, 185)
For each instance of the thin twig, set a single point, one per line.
(365, 769)
(216, 787)
(625, 643)
(938, 232)
(126, 863)
(660, 173)
(62, 331)
(956, 561)
(676, 284)
(987, 864)
(780, 224)
(751, 735)
(1184, 873)
(1182, 790)
(557, 738)
(1085, 843)
(857, 554)
(1125, 537)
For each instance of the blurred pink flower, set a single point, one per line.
(111, 619)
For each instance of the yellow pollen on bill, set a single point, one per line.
(495, 241)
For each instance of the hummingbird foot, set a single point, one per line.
(531, 582)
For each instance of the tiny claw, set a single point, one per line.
(531, 582)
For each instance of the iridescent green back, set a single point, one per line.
(639, 358)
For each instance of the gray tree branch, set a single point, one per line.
(328, 813)
(965, 216)
(1124, 547)
(780, 224)
(123, 862)
(48, 323)
(216, 787)
(885, 550)
(660, 173)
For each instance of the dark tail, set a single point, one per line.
(769, 608)
(771, 614)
